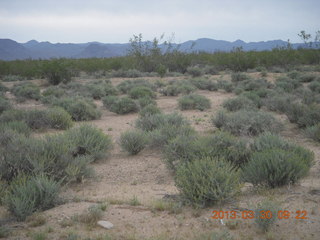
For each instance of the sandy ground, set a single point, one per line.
(121, 178)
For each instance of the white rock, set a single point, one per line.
(105, 224)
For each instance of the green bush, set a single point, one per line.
(219, 119)
(58, 118)
(194, 101)
(17, 126)
(4, 104)
(145, 101)
(140, 92)
(56, 71)
(227, 86)
(278, 102)
(238, 77)
(127, 85)
(254, 98)
(204, 84)
(29, 194)
(307, 77)
(275, 167)
(309, 115)
(25, 91)
(109, 100)
(221, 144)
(235, 104)
(88, 140)
(287, 84)
(37, 119)
(206, 181)
(124, 105)
(313, 132)
(101, 89)
(195, 71)
(149, 110)
(315, 86)
(266, 214)
(79, 109)
(133, 141)
(53, 91)
(250, 123)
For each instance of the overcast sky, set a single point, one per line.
(115, 21)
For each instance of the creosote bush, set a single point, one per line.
(206, 181)
(133, 141)
(194, 101)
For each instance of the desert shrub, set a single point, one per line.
(88, 140)
(195, 71)
(140, 92)
(130, 73)
(58, 118)
(17, 126)
(3, 88)
(133, 141)
(124, 105)
(254, 97)
(307, 77)
(314, 86)
(225, 85)
(25, 91)
(53, 91)
(145, 101)
(204, 84)
(250, 123)
(171, 90)
(313, 132)
(149, 110)
(80, 109)
(12, 78)
(186, 88)
(212, 70)
(127, 85)
(278, 102)
(29, 194)
(287, 84)
(266, 214)
(235, 104)
(238, 76)
(310, 116)
(108, 101)
(56, 71)
(221, 144)
(219, 119)
(294, 74)
(4, 104)
(157, 121)
(269, 141)
(275, 167)
(194, 101)
(206, 181)
(37, 119)
(98, 90)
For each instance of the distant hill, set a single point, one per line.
(11, 50)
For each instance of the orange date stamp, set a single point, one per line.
(249, 214)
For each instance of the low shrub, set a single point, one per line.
(314, 86)
(266, 214)
(25, 91)
(91, 216)
(56, 71)
(100, 89)
(58, 118)
(219, 119)
(254, 98)
(239, 76)
(313, 132)
(149, 110)
(195, 71)
(17, 126)
(140, 92)
(108, 101)
(12, 78)
(133, 141)
(206, 181)
(127, 85)
(275, 167)
(307, 77)
(204, 84)
(225, 85)
(235, 104)
(194, 101)
(80, 109)
(88, 140)
(29, 194)
(250, 123)
(37, 119)
(310, 115)
(278, 102)
(124, 105)
(4, 104)
(145, 101)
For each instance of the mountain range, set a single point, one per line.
(12, 50)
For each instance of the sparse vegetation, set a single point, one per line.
(266, 214)
(194, 101)
(133, 141)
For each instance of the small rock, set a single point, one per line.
(105, 224)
